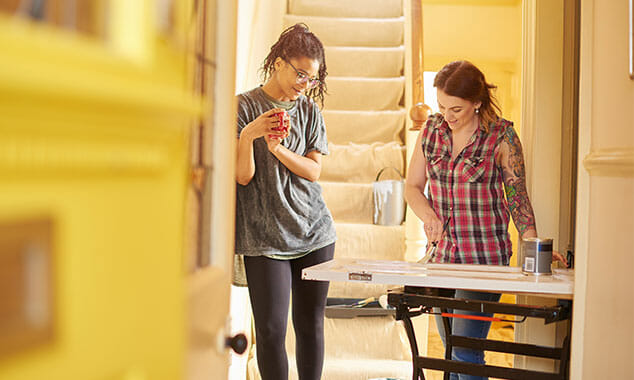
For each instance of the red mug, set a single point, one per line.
(282, 121)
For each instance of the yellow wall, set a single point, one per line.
(488, 35)
(95, 138)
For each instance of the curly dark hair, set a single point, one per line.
(464, 80)
(295, 42)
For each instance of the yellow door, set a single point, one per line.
(96, 211)
(93, 168)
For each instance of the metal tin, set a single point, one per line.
(536, 256)
(389, 200)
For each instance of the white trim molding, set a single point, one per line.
(614, 162)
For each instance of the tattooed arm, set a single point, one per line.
(512, 161)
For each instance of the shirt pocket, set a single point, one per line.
(434, 166)
(474, 169)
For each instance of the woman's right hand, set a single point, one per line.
(433, 228)
(263, 126)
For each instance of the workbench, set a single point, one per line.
(423, 287)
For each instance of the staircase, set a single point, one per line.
(365, 122)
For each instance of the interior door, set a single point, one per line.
(211, 204)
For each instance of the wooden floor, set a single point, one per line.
(499, 331)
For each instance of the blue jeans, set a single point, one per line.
(469, 328)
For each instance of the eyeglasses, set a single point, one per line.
(303, 78)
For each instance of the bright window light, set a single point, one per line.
(430, 91)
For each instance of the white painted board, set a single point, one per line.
(493, 278)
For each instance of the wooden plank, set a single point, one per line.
(402, 273)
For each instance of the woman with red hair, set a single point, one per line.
(472, 159)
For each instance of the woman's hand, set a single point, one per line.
(433, 228)
(559, 257)
(264, 126)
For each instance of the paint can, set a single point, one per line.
(536, 256)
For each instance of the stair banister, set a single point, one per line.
(415, 239)
(419, 111)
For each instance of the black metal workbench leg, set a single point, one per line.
(564, 363)
(417, 373)
(448, 346)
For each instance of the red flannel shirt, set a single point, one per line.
(470, 190)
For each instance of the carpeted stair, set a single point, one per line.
(353, 31)
(365, 120)
(369, 126)
(360, 163)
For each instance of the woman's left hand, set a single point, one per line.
(273, 141)
(559, 257)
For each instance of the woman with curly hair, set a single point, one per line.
(282, 223)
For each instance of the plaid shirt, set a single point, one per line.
(470, 190)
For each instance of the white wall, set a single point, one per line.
(259, 25)
(543, 40)
(603, 327)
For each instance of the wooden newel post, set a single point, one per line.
(419, 111)
(419, 114)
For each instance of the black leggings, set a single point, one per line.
(270, 283)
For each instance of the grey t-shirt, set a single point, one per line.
(279, 212)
